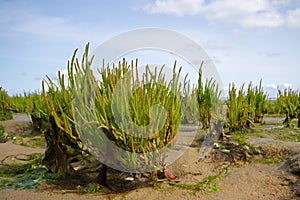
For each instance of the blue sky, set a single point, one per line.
(248, 40)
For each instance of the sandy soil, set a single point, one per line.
(246, 180)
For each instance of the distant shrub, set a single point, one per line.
(289, 103)
(5, 113)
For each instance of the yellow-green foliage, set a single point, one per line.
(201, 103)
(209, 103)
(289, 102)
(4, 100)
(257, 101)
(57, 99)
(86, 104)
(58, 102)
(237, 109)
(245, 108)
(36, 107)
(189, 104)
(19, 103)
(94, 102)
(31, 103)
(5, 105)
(151, 90)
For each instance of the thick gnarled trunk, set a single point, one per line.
(57, 159)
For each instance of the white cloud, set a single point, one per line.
(231, 9)
(263, 20)
(246, 13)
(175, 7)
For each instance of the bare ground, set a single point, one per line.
(243, 180)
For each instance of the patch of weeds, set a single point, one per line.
(270, 159)
(213, 188)
(14, 169)
(29, 180)
(6, 115)
(25, 176)
(239, 138)
(278, 133)
(19, 141)
(258, 132)
(193, 192)
(297, 138)
(157, 185)
(3, 136)
(2, 130)
(288, 134)
(93, 188)
(207, 185)
(30, 142)
(36, 142)
(285, 134)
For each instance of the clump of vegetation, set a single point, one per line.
(3, 136)
(270, 159)
(27, 175)
(93, 188)
(201, 103)
(76, 115)
(287, 105)
(37, 110)
(2, 130)
(5, 112)
(125, 106)
(63, 142)
(208, 97)
(14, 169)
(5, 115)
(257, 101)
(20, 103)
(278, 133)
(207, 185)
(289, 102)
(245, 108)
(4, 100)
(237, 110)
(30, 142)
(189, 104)
(32, 103)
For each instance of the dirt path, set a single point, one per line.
(19, 125)
(9, 152)
(255, 181)
(246, 181)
